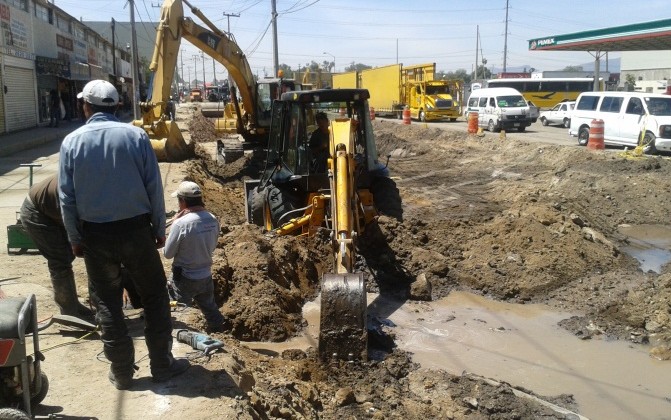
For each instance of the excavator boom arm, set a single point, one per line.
(174, 26)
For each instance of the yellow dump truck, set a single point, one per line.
(394, 87)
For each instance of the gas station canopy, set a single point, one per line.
(655, 35)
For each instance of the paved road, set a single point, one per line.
(535, 133)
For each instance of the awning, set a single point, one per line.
(646, 36)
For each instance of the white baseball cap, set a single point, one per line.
(188, 189)
(101, 93)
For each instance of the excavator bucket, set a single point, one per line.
(343, 334)
(168, 143)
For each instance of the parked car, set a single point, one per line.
(559, 114)
(629, 118)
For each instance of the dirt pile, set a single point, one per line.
(514, 221)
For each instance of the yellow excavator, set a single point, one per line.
(250, 118)
(298, 195)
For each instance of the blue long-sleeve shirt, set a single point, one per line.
(108, 172)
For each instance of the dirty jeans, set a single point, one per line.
(202, 292)
(50, 238)
(129, 242)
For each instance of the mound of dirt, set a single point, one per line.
(511, 220)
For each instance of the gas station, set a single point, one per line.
(646, 36)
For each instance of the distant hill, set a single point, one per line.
(613, 67)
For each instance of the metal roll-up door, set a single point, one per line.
(20, 103)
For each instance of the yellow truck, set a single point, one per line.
(394, 87)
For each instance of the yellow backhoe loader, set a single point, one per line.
(298, 194)
(250, 118)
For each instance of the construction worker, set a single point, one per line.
(319, 144)
(112, 203)
(54, 108)
(193, 237)
(41, 217)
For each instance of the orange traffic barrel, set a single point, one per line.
(595, 141)
(406, 115)
(472, 122)
(372, 113)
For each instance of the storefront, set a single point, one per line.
(18, 79)
(52, 73)
(17, 66)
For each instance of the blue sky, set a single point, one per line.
(382, 32)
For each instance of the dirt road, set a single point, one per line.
(511, 221)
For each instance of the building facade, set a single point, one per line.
(650, 69)
(46, 52)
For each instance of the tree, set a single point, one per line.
(328, 65)
(459, 74)
(484, 72)
(573, 68)
(285, 68)
(629, 82)
(357, 67)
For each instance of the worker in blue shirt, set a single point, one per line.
(112, 204)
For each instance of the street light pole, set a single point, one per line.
(334, 66)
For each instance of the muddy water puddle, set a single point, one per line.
(649, 244)
(518, 344)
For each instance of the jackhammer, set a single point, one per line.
(199, 341)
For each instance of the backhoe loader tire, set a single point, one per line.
(257, 200)
(386, 197)
(281, 201)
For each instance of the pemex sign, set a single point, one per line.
(542, 42)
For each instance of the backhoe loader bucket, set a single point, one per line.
(343, 334)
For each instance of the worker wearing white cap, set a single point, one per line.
(112, 204)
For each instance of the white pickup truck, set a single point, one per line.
(559, 114)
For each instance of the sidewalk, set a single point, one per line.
(18, 141)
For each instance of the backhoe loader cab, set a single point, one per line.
(336, 183)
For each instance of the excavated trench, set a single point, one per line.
(521, 223)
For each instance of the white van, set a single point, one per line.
(500, 108)
(627, 116)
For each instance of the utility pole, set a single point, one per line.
(114, 49)
(136, 73)
(195, 68)
(181, 60)
(276, 60)
(228, 18)
(214, 71)
(477, 44)
(505, 41)
(202, 55)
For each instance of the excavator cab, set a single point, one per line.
(294, 196)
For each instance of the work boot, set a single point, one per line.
(177, 367)
(121, 381)
(65, 295)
